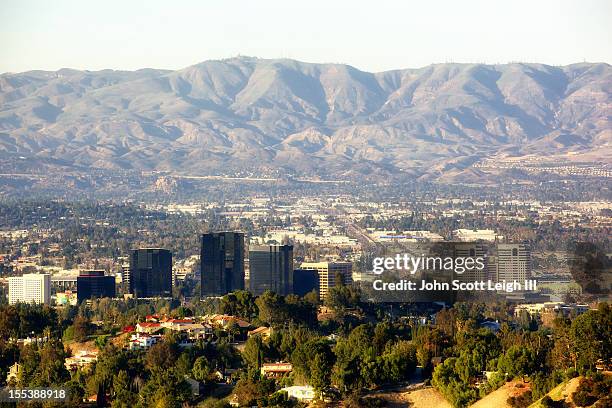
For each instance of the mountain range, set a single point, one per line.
(278, 116)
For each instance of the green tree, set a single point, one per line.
(52, 370)
(517, 361)
(201, 369)
(271, 308)
(591, 338)
(164, 389)
(320, 373)
(80, 329)
(254, 352)
(162, 355)
(124, 395)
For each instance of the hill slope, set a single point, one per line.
(249, 114)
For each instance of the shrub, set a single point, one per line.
(520, 401)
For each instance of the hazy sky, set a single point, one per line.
(371, 35)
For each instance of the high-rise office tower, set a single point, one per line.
(222, 263)
(94, 284)
(513, 262)
(305, 281)
(472, 250)
(150, 273)
(31, 287)
(271, 268)
(327, 274)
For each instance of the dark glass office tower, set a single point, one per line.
(94, 284)
(305, 281)
(271, 268)
(222, 263)
(151, 273)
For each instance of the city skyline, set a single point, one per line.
(230, 203)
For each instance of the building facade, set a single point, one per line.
(222, 263)
(271, 268)
(150, 273)
(472, 250)
(513, 262)
(94, 284)
(328, 271)
(305, 281)
(28, 288)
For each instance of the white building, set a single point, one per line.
(14, 373)
(143, 341)
(513, 262)
(30, 288)
(300, 392)
(83, 359)
(538, 309)
(470, 235)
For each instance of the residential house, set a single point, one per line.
(276, 370)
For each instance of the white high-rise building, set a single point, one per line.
(513, 262)
(32, 287)
(472, 250)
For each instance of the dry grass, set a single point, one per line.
(563, 392)
(426, 398)
(499, 397)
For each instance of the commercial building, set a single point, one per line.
(553, 308)
(328, 271)
(61, 282)
(150, 273)
(271, 268)
(472, 250)
(65, 298)
(222, 263)
(464, 234)
(513, 262)
(28, 288)
(94, 284)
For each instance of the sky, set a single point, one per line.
(370, 35)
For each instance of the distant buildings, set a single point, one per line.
(30, 288)
(547, 312)
(222, 263)
(328, 271)
(472, 250)
(271, 268)
(552, 308)
(150, 273)
(405, 236)
(513, 262)
(63, 282)
(468, 235)
(94, 284)
(66, 298)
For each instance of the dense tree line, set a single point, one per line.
(356, 348)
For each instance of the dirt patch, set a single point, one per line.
(499, 397)
(426, 398)
(85, 347)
